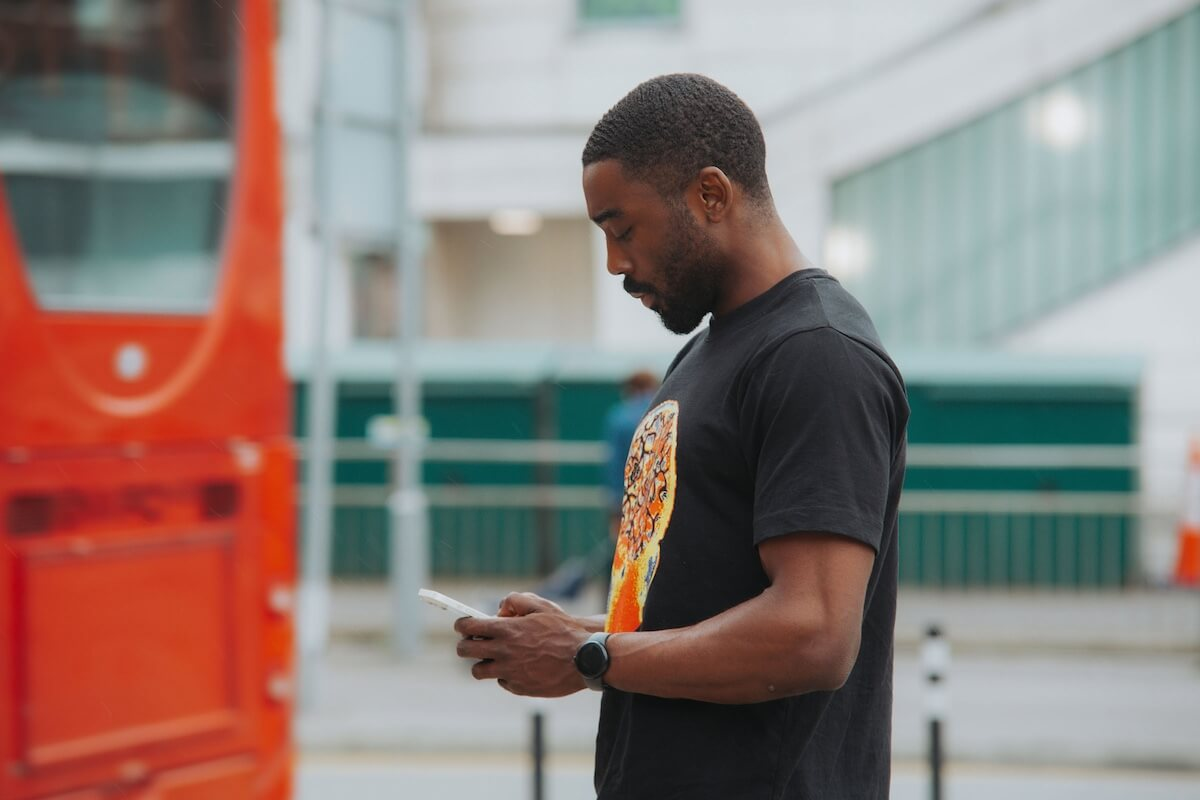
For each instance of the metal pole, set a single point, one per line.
(538, 746)
(935, 656)
(545, 474)
(314, 588)
(409, 546)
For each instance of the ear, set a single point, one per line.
(715, 192)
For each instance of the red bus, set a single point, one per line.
(146, 476)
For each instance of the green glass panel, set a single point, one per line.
(623, 10)
(1036, 202)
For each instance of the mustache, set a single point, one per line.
(633, 287)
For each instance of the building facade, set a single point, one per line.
(883, 123)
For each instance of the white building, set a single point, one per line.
(507, 92)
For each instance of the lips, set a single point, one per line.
(639, 291)
(647, 298)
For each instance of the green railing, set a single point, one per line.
(1062, 535)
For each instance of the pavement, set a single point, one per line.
(1038, 680)
(570, 778)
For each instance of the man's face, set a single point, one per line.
(656, 244)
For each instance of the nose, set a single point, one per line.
(618, 263)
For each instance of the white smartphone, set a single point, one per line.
(450, 604)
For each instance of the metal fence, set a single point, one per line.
(981, 536)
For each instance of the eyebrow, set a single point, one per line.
(607, 214)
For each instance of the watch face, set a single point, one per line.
(592, 659)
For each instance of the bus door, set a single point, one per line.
(147, 566)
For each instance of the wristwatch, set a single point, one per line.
(591, 659)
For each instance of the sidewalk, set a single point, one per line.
(1037, 678)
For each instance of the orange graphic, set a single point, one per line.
(645, 514)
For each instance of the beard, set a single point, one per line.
(692, 272)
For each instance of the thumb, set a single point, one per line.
(518, 604)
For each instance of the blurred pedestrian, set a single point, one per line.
(620, 425)
(747, 649)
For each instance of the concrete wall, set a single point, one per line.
(482, 286)
(531, 65)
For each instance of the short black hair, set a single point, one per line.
(669, 128)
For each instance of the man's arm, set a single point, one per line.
(800, 635)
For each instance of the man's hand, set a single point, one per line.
(529, 648)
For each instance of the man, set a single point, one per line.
(747, 649)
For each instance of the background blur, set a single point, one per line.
(1011, 187)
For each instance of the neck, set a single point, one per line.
(761, 260)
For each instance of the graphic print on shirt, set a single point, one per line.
(645, 514)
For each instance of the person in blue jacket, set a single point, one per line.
(620, 425)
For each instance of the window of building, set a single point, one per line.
(629, 11)
(116, 148)
(373, 276)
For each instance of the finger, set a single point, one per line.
(518, 604)
(470, 626)
(476, 648)
(485, 670)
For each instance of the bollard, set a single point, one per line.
(935, 657)
(538, 747)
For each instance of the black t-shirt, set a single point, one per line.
(786, 415)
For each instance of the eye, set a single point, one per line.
(624, 237)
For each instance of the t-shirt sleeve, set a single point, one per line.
(819, 415)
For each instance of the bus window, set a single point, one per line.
(116, 148)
